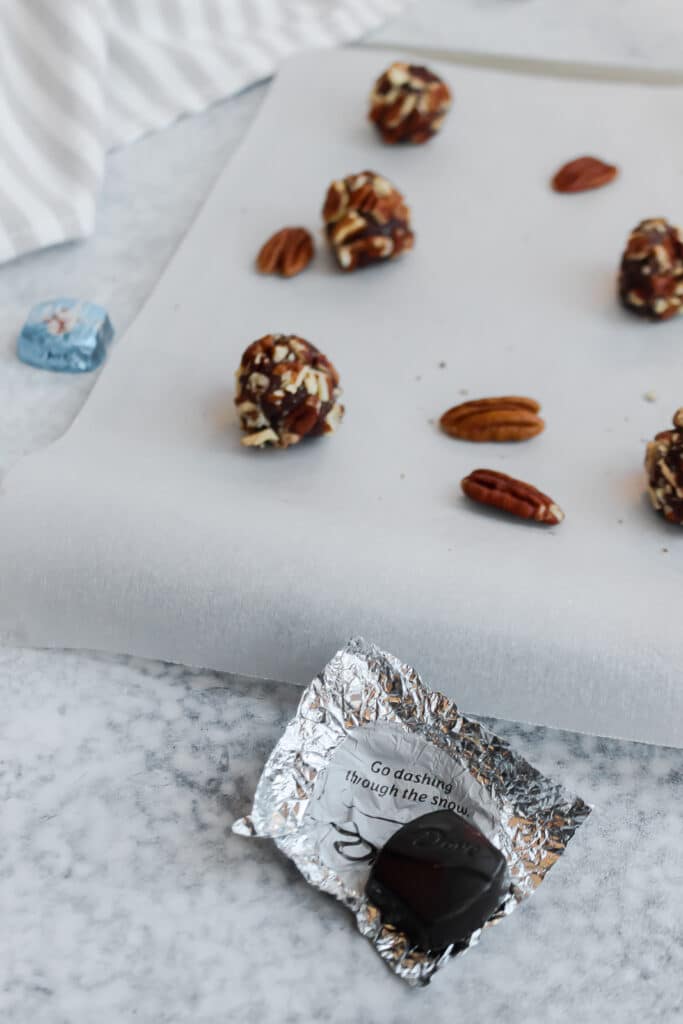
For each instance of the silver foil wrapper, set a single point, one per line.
(371, 748)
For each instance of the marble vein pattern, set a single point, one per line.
(124, 895)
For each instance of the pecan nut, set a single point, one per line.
(509, 418)
(514, 496)
(584, 173)
(287, 252)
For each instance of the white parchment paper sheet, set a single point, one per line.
(149, 529)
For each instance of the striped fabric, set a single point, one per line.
(78, 77)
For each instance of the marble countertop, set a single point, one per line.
(125, 897)
(621, 33)
(123, 894)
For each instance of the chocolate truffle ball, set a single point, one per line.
(438, 880)
(286, 390)
(664, 465)
(409, 103)
(366, 220)
(651, 278)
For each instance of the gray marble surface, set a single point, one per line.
(625, 33)
(123, 895)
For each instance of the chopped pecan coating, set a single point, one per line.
(409, 103)
(286, 390)
(664, 465)
(651, 277)
(366, 220)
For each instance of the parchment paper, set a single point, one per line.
(149, 529)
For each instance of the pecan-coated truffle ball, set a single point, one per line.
(651, 278)
(664, 465)
(286, 390)
(366, 220)
(409, 103)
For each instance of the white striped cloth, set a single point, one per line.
(78, 77)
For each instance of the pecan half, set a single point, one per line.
(287, 252)
(514, 496)
(509, 418)
(582, 174)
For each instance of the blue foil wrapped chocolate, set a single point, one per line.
(66, 335)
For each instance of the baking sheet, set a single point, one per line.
(149, 529)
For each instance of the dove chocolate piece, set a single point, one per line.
(438, 879)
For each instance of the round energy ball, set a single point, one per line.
(651, 276)
(664, 465)
(366, 220)
(286, 390)
(409, 103)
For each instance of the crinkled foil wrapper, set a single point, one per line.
(360, 693)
